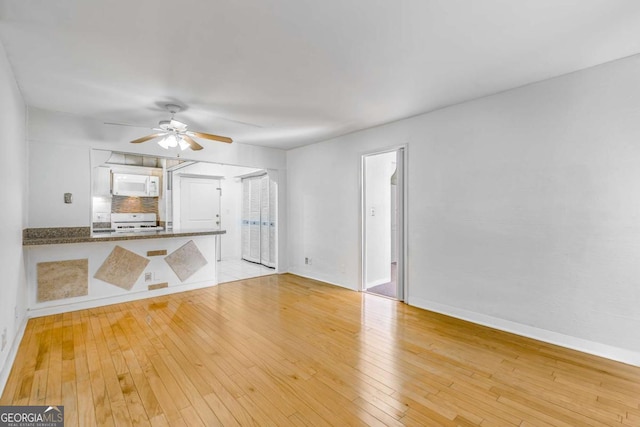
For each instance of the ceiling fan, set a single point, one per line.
(175, 133)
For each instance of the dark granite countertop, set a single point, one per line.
(62, 235)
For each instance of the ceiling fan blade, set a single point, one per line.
(148, 137)
(194, 145)
(209, 136)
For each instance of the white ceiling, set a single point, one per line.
(299, 71)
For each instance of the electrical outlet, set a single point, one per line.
(15, 312)
(307, 260)
(148, 277)
(4, 338)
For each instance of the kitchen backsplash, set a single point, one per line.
(125, 204)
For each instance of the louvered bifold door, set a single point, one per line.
(272, 224)
(259, 220)
(264, 220)
(246, 215)
(254, 221)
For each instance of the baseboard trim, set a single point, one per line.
(308, 276)
(11, 357)
(100, 302)
(590, 347)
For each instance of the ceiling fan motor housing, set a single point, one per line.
(173, 108)
(172, 126)
(164, 124)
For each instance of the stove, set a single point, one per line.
(134, 222)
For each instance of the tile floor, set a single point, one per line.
(230, 270)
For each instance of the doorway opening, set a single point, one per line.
(259, 192)
(383, 230)
(212, 196)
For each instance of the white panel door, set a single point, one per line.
(199, 203)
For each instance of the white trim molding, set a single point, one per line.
(590, 347)
(13, 352)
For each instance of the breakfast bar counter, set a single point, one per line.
(72, 268)
(64, 235)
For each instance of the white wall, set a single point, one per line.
(13, 215)
(524, 209)
(55, 169)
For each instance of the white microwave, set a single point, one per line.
(125, 184)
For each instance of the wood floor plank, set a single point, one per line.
(141, 381)
(134, 404)
(256, 401)
(85, 405)
(14, 382)
(222, 412)
(69, 393)
(18, 388)
(110, 377)
(101, 404)
(285, 350)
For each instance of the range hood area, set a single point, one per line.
(128, 159)
(129, 185)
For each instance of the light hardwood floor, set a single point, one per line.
(283, 350)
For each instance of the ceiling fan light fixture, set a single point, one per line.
(169, 142)
(183, 144)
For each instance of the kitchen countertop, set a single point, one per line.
(63, 235)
